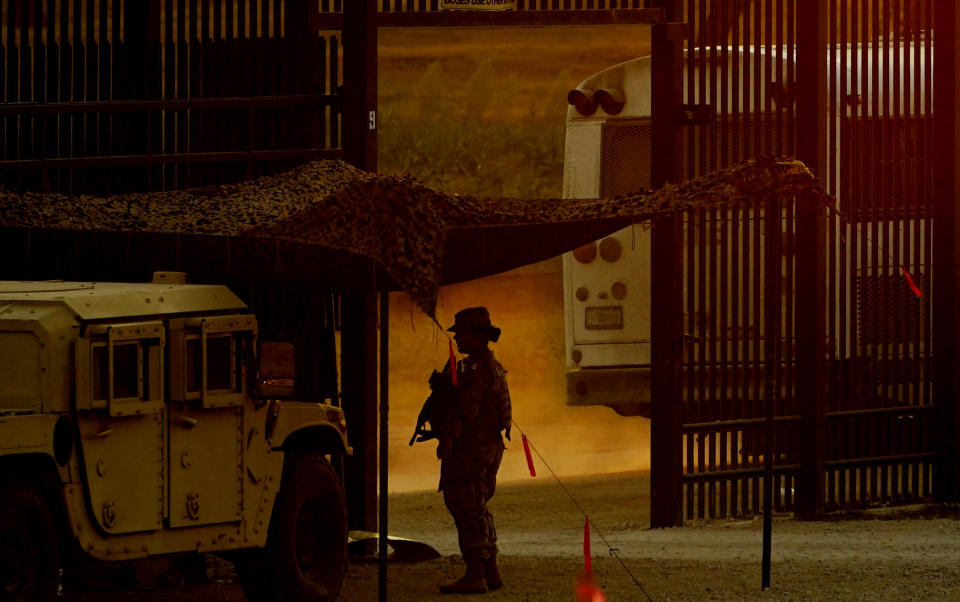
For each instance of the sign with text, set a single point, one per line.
(478, 4)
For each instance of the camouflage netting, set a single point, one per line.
(397, 221)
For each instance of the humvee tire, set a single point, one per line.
(306, 553)
(29, 552)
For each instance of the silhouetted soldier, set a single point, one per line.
(471, 447)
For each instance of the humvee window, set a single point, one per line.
(126, 371)
(220, 363)
(99, 372)
(207, 353)
(194, 364)
(124, 363)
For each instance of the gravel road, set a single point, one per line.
(901, 553)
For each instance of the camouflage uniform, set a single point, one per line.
(468, 476)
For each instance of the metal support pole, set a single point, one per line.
(358, 367)
(772, 360)
(666, 298)
(811, 260)
(384, 440)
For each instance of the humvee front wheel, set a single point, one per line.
(29, 556)
(306, 552)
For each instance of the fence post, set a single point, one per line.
(666, 291)
(811, 257)
(358, 377)
(359, 342)
(946, 471)
(359, 97)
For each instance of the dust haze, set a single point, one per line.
(482, 112)
(527, 304)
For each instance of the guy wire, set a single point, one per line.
(610, 549)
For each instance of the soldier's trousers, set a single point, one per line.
(468, 479)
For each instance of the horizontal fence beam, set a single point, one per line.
(899, 410)
(733, 425)
(523, 18)
(736, 473)
(880, 460)
(170, 158)
(185, 104)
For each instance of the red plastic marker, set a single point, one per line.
(526, 450)
(453, 365)
(916, 290)
(587, 589)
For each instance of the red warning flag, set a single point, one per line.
(453, 365)
(916, 290)
(586, 544)
(526, 450)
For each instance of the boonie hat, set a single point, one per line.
(475, 317)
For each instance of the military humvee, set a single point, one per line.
(144, 419)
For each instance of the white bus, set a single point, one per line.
(607, 153)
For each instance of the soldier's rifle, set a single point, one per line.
(442, 400)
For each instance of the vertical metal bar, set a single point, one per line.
(118, 123)
(168, 91)
(860, 264)
(845, 316)
(877, 206)
(900, 341)
(833, 275)
(24, 90)
(700, 317)
(327, 112)
(196, 49)
(76, 82)
(336, 113)
(8, 83)
(930, 195)
(771, 315)
(888, 222)
(90, 87)
(712, 363)
(666, 334)
(183, 87)
(918, 262)
(912, 243)
(724, 366)
(64, 93)
(52, 123)
(384, 490)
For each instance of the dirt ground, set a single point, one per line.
(882, 554)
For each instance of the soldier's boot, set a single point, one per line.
(471, 583)
(492, 574)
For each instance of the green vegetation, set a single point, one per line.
(482, 111)
(475, 144)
